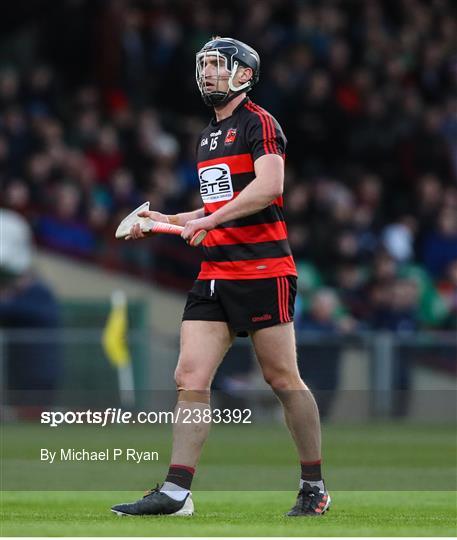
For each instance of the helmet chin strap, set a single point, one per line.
(228, 98)
(218, 99)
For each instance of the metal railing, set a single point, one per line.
(381, 364)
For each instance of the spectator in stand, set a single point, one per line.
(62, 227)
(395, 310)
(430, 149)
(398, 239)
(319, 361)
(16, 129)
(378, 288)
(9, 89)
(385, 268)
(4, 159)
(350, 284)
(123, 194)
(317, 127)
(372, 141)
(298, 214)
(33, 368)
(398, 308)
(39, 174)
(106, 156)
(17, 197)
(427, 203)
(440, 245)
(40, 94)
(449, 129)
(447, 288)
(84, 133)
(369, 193)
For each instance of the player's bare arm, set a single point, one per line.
(177, 219)
(267, 185)
(182, 218)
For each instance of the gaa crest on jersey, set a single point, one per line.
(215, 183)
(231, 136)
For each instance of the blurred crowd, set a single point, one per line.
(365, 92)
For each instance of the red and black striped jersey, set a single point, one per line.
(255, 246)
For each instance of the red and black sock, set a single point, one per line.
(181, 475)
(311, 471)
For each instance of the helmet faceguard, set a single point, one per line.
(228, 55)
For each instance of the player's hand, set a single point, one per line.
(136, 233)
(194, 225)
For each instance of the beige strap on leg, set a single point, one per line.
(197, 396)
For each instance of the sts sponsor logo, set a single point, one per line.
(215, 183)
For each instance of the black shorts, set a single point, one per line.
(246, 305)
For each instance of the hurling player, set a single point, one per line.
(247, 282)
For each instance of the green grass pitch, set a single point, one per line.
(232, 514)
(363, 465)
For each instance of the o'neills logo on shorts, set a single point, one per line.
(264, 317)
